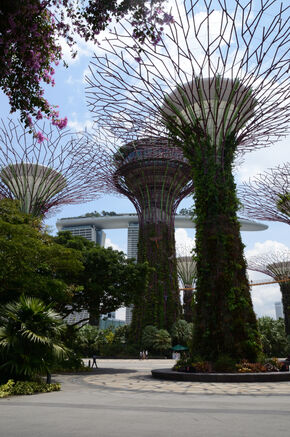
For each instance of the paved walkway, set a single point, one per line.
(120, 399)
(135, 375)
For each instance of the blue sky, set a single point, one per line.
(69, 94)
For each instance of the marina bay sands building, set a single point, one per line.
(92, 228)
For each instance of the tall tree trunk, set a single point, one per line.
(225, 323)
(159, 304)
(285, 290)
(187, 303)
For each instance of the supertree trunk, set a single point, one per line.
(187, 303)
(155, 176)
(159, 305)
(225, 323)
(285, 291)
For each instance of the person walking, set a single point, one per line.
(95, 361)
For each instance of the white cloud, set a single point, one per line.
(109, 243)
(184, 243)
(268, 246)
(79, 126)
(264, 298)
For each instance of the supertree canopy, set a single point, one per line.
(217, 84)
(155, 176)
(277, 265)
(43, 176)
(267, 195)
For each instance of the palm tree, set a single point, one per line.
(30, 339)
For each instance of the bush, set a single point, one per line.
(73, 363)
(225, 364)
(26, 388)
(182, 332)
(162, 341)
(88, 341)
(273, 337)
(148, 337)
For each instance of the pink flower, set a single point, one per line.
(62, 123)
(40, 137)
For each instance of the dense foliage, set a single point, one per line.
(30, 34)
(108, 279)
(12, 388)
(158, 303)
(31, 263)
(182, 332)
(41, 275)
(273, 338)
(30, 338)
(225, 322)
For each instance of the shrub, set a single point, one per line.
(26, 388)
(246, 367)
(202, 366)
(182, 332)
(30, 338)
(225, 364)
(162, 341)
(273, 337)
(148, 337)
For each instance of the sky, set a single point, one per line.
(69, 94)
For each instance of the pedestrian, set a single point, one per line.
(95, 361)
(146, 355)
(140, 355)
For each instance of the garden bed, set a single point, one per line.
(173, 375)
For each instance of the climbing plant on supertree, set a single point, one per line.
(155, 176)
(217, 83)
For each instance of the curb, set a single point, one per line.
(172, 375)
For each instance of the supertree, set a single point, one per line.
(186, 271)
(267, 195)
(155, 176)
(45, 175)
(277, 265)
(217, 83)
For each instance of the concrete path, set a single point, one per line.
(120, 399)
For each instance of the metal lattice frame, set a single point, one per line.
(155, 176)
(244, 49)
(267, 195)
(43, 176)
(186, 270)
(277, 265)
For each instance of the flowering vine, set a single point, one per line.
(30, 48)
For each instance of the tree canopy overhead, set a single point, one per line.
(30, 46)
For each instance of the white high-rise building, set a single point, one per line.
(279, 310)
(88, 231)
(132, 244)
(132, 252)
